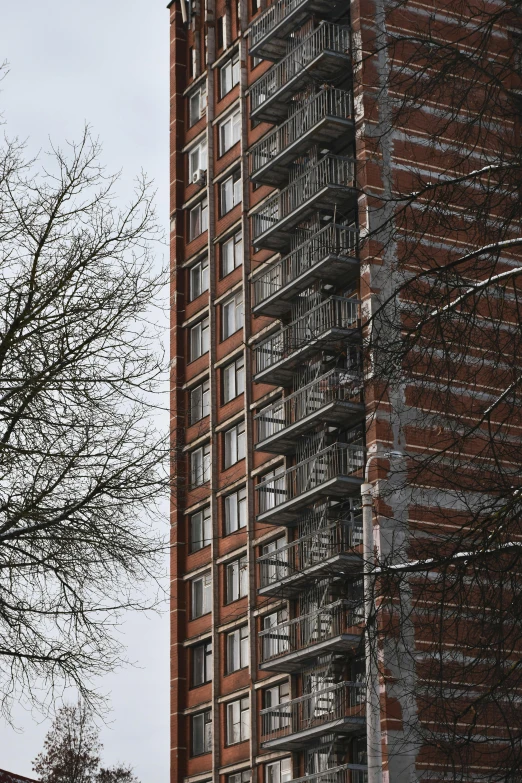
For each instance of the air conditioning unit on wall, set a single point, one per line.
(199, 177)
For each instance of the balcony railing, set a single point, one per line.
(277, 20)
(330, 254)
(347, 773)
(335, 318)
(298, 132)
(330, 471)
(336, 397)
(310, 551)
(325, 184)
(292, 723)
(326, 51)
(315, 629)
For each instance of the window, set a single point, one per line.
(278, 771)
(197, 105)
(232, 315)
(198, 219)
(233, 380)
(200, 466)
(234, 444)
(236, 579)
(273, 491)
(229, 75)
(202, 733)
(200, 529)
(193, 62)
(197, 160)
(201, 595)
(255, 61)
(199, 402)
(276, 567)
(272, 697)
(220, 32)
(201, 664)
(240, 777)
(276, 642)
(238, 721)
(199, 339)
(229, 132)
(230, 192)
(231, 254)
(256, 5)
(198, 279)
(235, 511)
(237, 649)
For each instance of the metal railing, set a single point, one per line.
(302, 632)
(333, 386)
(346, 773)
(329, 102)
(310, 550)
(271, 18)
(340, 459)
(312, 710)
(331, 240)
(326, 36)
(331, 170)
(335, 312)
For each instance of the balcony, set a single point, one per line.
(268, 33)
(321, 55)
(326, 184)
(335, 471)
(292, 724)
(327, 551)
(335, 398)
(291, 645)
(347, 773)
(329, 255)
(328, 325)
(324, 118)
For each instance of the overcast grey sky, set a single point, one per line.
(104, 62)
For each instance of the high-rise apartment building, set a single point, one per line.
(271, 417)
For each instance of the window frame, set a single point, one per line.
(230, 66)
(198, 219)
(201, 408)
(206, 595)
(240, 777)
(281, 775)
(235, 241)
(237, 303)
(237, 646)
(238, 501)
(201, 149)
(237, 365)
(203, 341)
(206, 529)
(234, 121)
(236, 579)
(202, 472)
(206, 661)
(234, 445)
(242, 707)
(202, 269)
(206, 736)
(230, 188)
(201, 93)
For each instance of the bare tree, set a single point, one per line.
(72, 751)
(81, 457)
(444, 347)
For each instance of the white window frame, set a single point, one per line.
(200, 402)
(230, 193)
(197, 158)
(205, 662)
(198, 278)
(238, 720)
(229, 131)
(236, 579)
(198, 219)
(204, 720)
(274, 645)
(197, 98)
(234, 444)
(231, 253)
(233, 380)
(237, 649)
(229, 75)
(199, 339)
(235, 511)
(232, 315)
(200, 525)
(279, 771)
(201, 595)
(240, 777)
(272, 697)
(200, 466)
